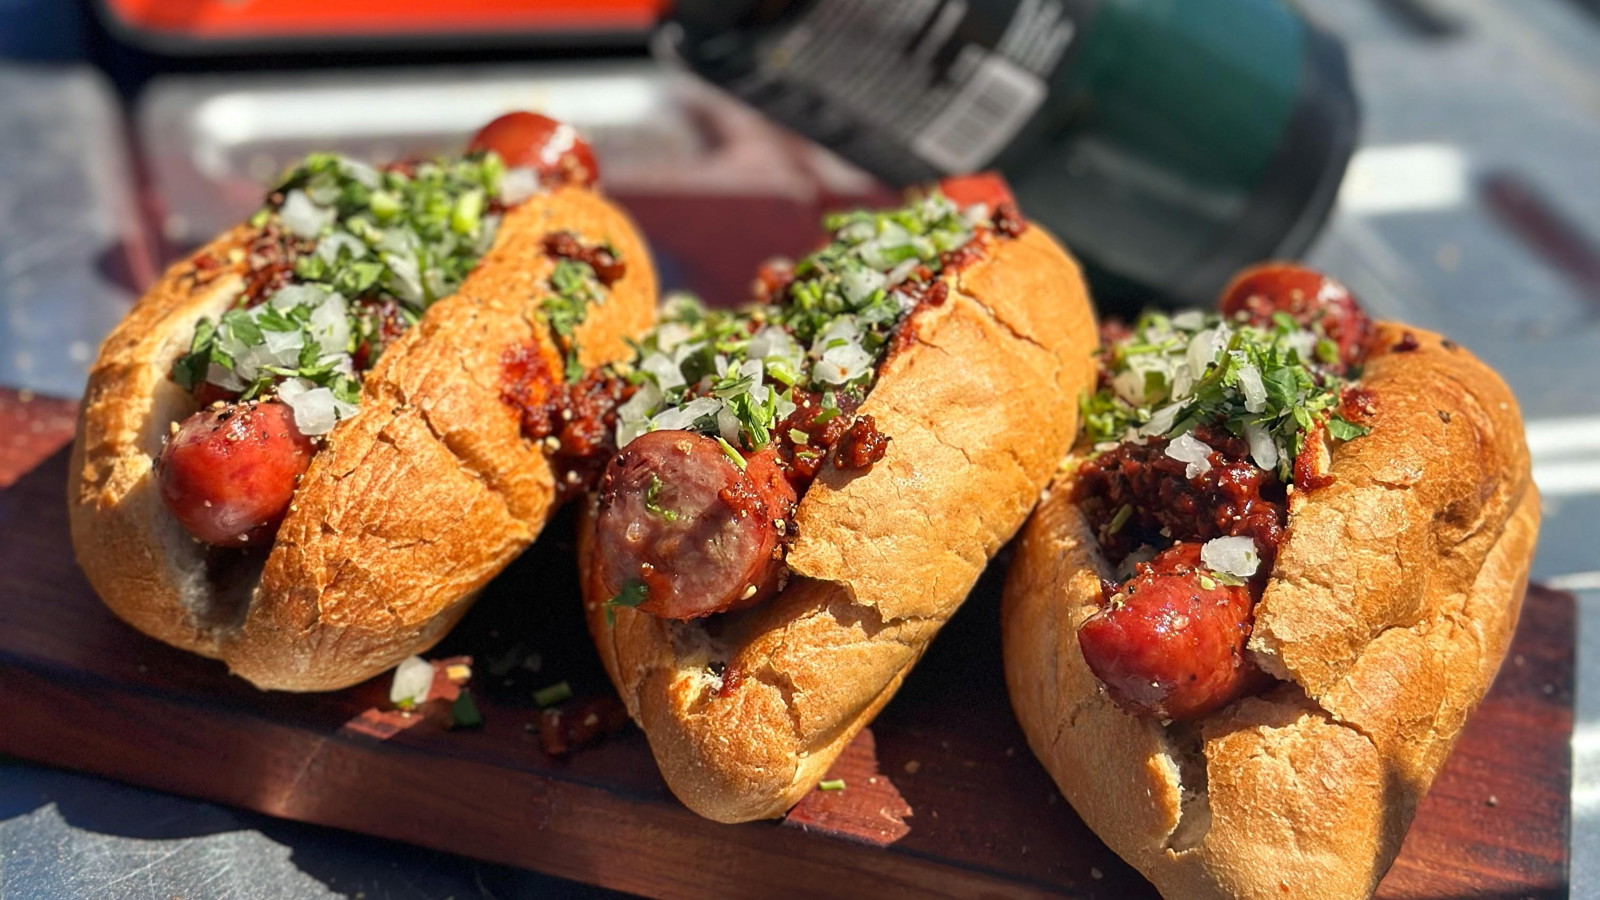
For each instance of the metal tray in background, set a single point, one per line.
(715, 186)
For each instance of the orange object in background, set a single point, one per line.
(194, 23)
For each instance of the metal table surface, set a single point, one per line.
(1472, 208)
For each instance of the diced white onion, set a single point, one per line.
(1189, 449)
(1255, 392)
(366, 175)
(670, 334)
(903, 271)
(1304, 343)
(1161, 420)
(1181, 386)
(488, 227)
(1129, 385)
(413, 678)
(224, 377)
(329, 248)
(298, 295)
(330, 325)
(518, 184)
(405, 279)
(859, 283)
(663, 370)
(856, 232)
(315, 410)
(301, 216)
(937, 206)
(1263, 449)
(843, 329)
(773, 344)
(402, 241)
(247, 361)
(1189, 320)
(633, 417)
(323, 190)
(975, 214)
(436, 283)
(842, 364)
(1203, 349)
(684, 417)
(728, 425)
(1236, 556)
(284, 346)
(893, 234)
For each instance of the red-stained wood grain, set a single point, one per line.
(79, 689)
(31, 428)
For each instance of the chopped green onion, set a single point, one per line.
(652, 502)
(555, 693)
(464, 711)
(464, 217)
(832, 784)
(827, 332)
(728, 451)
(1120, 518)
(1199, 369)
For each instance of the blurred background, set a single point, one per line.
(1464, 197)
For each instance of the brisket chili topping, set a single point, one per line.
(345, 258)
(571, 411)
(790, 372)
(1203, 425)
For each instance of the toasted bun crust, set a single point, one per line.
(978, 407)
(406, 511)
(1390, 607)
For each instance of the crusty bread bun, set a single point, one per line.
(1389, 609)
(408, 509)
(746, 712)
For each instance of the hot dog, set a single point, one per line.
(310, 443)
(1253, 611)
(806, 490)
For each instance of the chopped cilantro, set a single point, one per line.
(576, 288)
(1176, 373)
(1342, 429)
(406, 236)
(713, 371)
(633, 594)
(652, 501)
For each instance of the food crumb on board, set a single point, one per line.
(912, 766)
(1096, 874)
(1493, 800)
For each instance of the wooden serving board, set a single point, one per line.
(942, 797)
